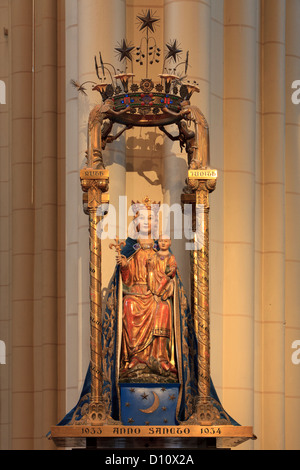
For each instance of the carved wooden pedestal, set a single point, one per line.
(156, 437)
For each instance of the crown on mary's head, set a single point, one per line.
(145, 204)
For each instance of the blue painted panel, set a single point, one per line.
(149, 404)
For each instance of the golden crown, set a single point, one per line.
(145, 204)
(144, 101)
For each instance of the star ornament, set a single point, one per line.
(147, 21)
(173, 50)
(124, 50)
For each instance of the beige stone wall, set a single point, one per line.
(292, 223)
(245, 56)
(5, 310)
(33, 224)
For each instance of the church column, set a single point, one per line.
(273, 245)
(292, 262)
(22, 239)
(73, 207)
(180, 19)
(257, 425)
(5, 184)
(34, 250)
(61, 207)
(48, 157)
(216, 228)
(240, 22)
(144, 146)
(98, 25)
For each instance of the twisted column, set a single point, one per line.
(202, 183)
(95, 183)
(201, 290)
(95, 308)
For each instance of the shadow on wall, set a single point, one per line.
(145, 154)
(146, 144)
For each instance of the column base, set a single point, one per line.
(97, 416)
(207, 414)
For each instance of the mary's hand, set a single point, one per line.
(121, 260)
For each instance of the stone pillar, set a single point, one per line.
(273, 246)
(22, 241)
(5, 183)
(61, 208)
(216, 254)
(73, 209)
(101, 27)
(180, 18)
(48, 161)
(240, 23)
(94, 26)
(44, 81)
(144, 146)
(292, 194)
(35, 177)
(258, 374)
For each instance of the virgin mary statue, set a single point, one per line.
(147, 331)
(147, 327)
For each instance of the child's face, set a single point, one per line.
(164, 243)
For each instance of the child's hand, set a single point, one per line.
(171, 272)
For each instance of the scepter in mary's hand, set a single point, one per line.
(121, 259)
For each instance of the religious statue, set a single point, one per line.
(146, 343)
(148, 331)
(147, 310)
(148, 334)
(162, 269)
(148, 284)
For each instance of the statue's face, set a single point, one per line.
(144, 223)
(164, 243)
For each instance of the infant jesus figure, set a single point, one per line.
(162, 269)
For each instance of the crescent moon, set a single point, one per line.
(154, 406)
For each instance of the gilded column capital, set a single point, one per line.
(202, 180)
(94, 183)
